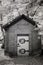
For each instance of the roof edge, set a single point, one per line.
(19, 18)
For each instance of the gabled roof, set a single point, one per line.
(17, 19)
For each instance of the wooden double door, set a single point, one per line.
(22, 44)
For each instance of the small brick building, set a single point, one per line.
(21, 39)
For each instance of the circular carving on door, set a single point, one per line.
(22, 41)
(22, 51)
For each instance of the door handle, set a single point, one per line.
(18, 45)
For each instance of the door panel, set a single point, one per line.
(23, 45)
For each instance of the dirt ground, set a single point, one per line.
(6, 60)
